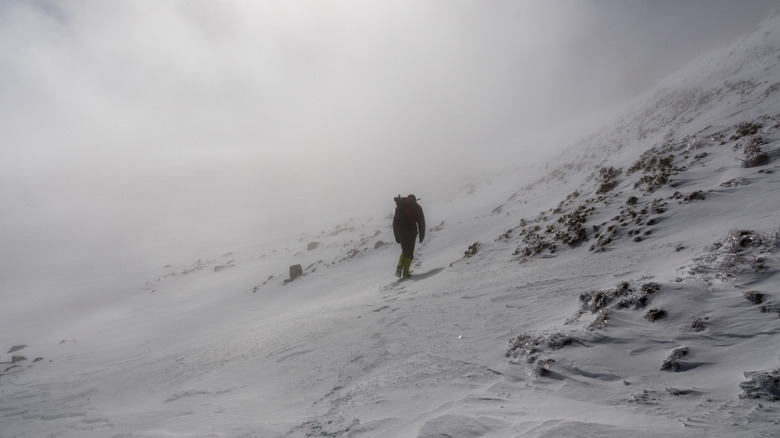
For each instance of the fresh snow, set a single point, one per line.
(497, 335)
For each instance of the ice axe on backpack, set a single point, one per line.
(411, 196)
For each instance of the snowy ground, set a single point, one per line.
(651, 325)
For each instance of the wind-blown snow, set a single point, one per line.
(629, 290)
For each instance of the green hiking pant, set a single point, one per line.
(404, 263)
(408, 241)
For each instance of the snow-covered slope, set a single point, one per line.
(631, 290)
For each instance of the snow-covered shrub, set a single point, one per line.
(525, 344)
(678, 391)
(650, 288)
(534, 351)
(740, 249)
(608, 178)
(699, 324)
(472, 250)
(754, 153)
(534, 243)
(604, 302)
(751, 144)
(672, 363)
(596, 300)
(542, 367)
(761, 385)
(698, 195)
(573, 232)
(744, 129)
(568, 228)
(569, 201)
(601, 321)
(756, 160)
(521, 344)
(735, 182)
(658, 206)
(622, 296)
(630, 215)
(656, 169)
(742, 87)
(654, 315)
(754, 296)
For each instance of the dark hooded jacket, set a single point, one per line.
(409, 220)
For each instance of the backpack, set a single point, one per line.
(406, 209)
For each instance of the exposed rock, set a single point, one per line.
(295, 272)
(312, 246)
(17, 348)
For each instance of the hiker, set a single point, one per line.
(407, 222)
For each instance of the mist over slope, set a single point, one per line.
(630, 290)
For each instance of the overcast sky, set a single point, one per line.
(331, 80)
(359, 98)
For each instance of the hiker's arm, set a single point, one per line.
(421, 223)
(396, 228)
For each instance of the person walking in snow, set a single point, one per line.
(408, 221)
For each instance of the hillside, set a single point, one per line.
(630, 290)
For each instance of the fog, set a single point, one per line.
(132, 128)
